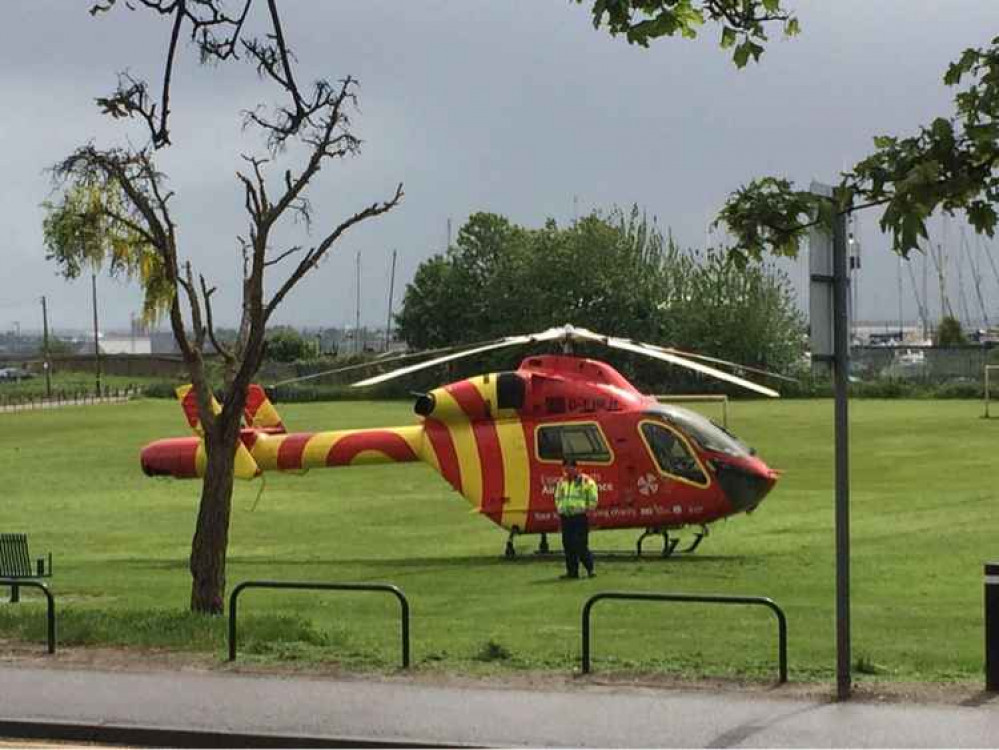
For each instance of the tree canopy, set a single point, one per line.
(285, 344)
(613, 273)
(949, 332)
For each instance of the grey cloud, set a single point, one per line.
(514, 107)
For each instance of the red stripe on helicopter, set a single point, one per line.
(190, 406)
(291, 449)
(174, 457)
(447, 456)
(389, 443)
(488, 444)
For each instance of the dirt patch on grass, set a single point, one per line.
(115, 659)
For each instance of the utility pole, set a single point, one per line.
(47, 365)
(357, 316)
(97, 345)
(388, 324)
(829, 303)
(841, 365)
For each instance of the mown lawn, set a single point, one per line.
(923, 522)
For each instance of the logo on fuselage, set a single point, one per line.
(648, 485)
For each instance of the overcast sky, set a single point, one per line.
(514, 106)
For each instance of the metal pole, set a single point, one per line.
(992, 627)
(45, 342)
(357, 318)
(901, 330)
(841, 364)
(926, 301)
(388, 324)
(97, 346)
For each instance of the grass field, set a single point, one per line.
(923, 515)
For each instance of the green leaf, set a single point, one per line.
(741, 55)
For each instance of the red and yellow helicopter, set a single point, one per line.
(499, 440)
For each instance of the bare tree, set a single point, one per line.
(115, 207)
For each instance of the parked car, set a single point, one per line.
(14, 374)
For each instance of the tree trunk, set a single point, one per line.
(211, 536)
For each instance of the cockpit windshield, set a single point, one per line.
(711, 436)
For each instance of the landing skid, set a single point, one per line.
(670, 544)
(510, 551)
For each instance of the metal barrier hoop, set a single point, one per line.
(695, 598)
(50, 606)
(310, 586)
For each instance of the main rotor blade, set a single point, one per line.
(681, 358)
(673, 359)
(725, 362)
(363, 365)
(508, 341)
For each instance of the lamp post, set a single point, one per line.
(97, 346)
(47, 366)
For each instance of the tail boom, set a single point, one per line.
(184, 458)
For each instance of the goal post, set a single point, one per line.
(707, 398)
(988, 369)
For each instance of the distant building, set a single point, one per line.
(118, 344)
(887, 334)
(163, 342)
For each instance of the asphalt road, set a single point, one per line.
(412, 711)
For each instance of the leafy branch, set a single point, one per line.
(949, 165)
(743, 22)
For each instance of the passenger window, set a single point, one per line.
(671, 453)
(581, 441)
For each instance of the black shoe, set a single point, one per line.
(566, 577)
(591, 574)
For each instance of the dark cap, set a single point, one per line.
(568, 461)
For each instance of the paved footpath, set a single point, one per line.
(578, 715)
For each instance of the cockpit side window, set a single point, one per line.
(672, 454)
(582, 440)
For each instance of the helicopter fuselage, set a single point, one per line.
(499, 440)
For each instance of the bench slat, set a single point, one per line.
(15, 562)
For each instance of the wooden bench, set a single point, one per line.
(15, 562)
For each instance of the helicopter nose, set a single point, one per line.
(745, 485)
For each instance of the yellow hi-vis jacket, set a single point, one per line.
(573, 498)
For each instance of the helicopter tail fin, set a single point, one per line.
(189, 403)
(260, 413)
(245, 467)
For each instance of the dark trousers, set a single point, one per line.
(576, 543)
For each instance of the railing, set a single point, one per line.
(308, 586)
(17, 582)
(696, 598)
(28, 402)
